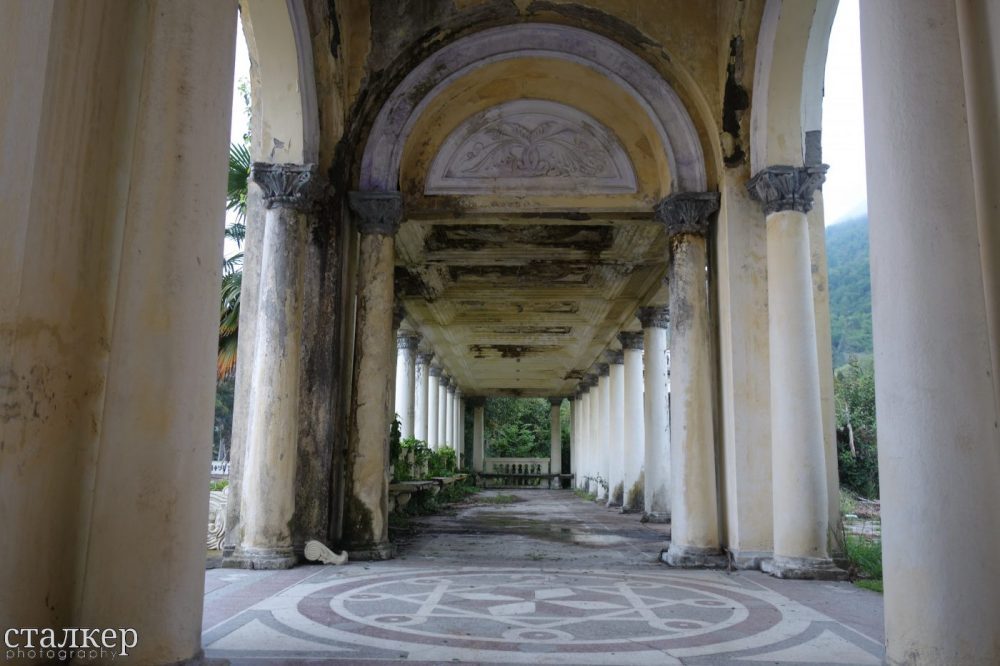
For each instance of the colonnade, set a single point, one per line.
(429, 402)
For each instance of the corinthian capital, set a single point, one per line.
(687, 212)
(780, 188)
(376, 212)
(288, 185)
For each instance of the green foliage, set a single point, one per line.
(865, 557)
(583, 494)
(218, 485)
(857, 446)
(400, 465)
(442, 462)
(222, 434)
(232, 268)
(850, 289)
(517, 427)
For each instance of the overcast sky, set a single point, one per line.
(844, 194)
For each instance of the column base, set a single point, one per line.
(613, 504)
(264, 559)
(750, 559)
(385, 550)
(655, 517)
(693, 557)
(802, 568)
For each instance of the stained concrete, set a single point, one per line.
(546, 578)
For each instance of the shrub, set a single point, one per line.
(857, 449)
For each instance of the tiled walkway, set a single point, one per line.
(549, 580)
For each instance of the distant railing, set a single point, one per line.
(516, 472)
(220, 468)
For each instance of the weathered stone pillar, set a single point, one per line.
(939, 446)
(406, 380)
(443, 400)
(658, 478)
(616, 428)
(583, 441)
(449, 414)
(433, 405)
(420, 394)
(798, 459)
(267, 499)
(633, 430)
(555, 441)
(478, 432)
(603, 448)
(457, 429)
(377, 216)
(694, 530)
(574, 432)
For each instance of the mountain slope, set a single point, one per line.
(850, 289)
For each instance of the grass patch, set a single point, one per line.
(583, 494)
(865, 557)
(873, 585)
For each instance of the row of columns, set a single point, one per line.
(429, 403)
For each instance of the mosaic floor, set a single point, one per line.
(504, 591)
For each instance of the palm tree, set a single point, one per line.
(232, 268)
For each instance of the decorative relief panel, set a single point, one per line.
(531, 146)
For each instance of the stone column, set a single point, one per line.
(458, 429)
(555, 441)
(449, 414)
(593, 430)
(798, 459)
(603, 448)
(377, 216)
(694, 529)
(442, 425)
(616, 428)
(574, 432)
(406, 380)
(420, 394)
(939, 447)
(657, 474)
(267, 498)
(633, 429)
(433, 405)
(583, 440)
(478, 432)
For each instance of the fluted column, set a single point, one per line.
(694, 530)
(267, 499)
(603, 452)
(442, 425)
(449, 418)
(798, 459)
(656, 413)
(433, 405)
(377, 216)
(457, 429)
(633, 429)
(420, 393)
(555, 440)
(616, 428)
(478, 432)
(406, 380)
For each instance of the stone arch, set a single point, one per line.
(788, 82)
(380, 164)
(285, 118)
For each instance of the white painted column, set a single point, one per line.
(555, 440)
(583, 445)
(366, 528)
(478, 432)
(449, 414)
(442, 429)
(798, 457)
(267, 498)
(604, 429)
(694, 528)
(406, 380)
(657, 474)
(574, 433)
(457, 429)
(421, 383)
(594, 439)
(939, 447)
(633, 430)
(616, 428)
(433, 402)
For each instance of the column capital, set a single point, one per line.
(452, 385)
(445, 380)
(654, 316)
(781, 188)
(434, 371)
(295, 186)
(589, 381)
(615, 356)
(424, 358)
(603, 369)
(687, 212)
(556, 402)
(376, 212)
(630, 340)
(407, 340)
